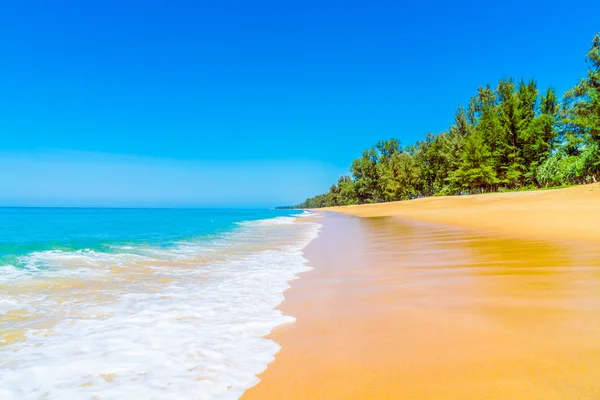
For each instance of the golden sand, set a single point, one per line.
(401, 309)
(572, 213)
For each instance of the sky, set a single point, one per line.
(248, 103)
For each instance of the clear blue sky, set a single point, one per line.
(248, 103)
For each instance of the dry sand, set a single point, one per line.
(572, 213)
(492, 297)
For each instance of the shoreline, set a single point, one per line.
(565, 214)
(100, 307)
(489, 311)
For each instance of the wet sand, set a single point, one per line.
(398, 308)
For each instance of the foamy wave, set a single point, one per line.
(305, 214)
(58, 258)
(201, 335)
(41, 266)
(268, 222)
(53, 264)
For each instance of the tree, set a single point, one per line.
(433, 166)
(476, 171)
(398, 177)
(491, 135)
(581, 109)
(508, 162)
(540, 136)
(346, 191)
(364, 172)
(505, 138)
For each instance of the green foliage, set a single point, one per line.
(508, 138)
(476, 171)
(562, 169)
(398, 177)
(581, 109)
(364, 172)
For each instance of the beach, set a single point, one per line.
(493, 296)
(300, 200)
(568, 214)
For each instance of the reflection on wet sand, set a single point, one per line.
(398, 309)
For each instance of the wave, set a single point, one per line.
(186, 321)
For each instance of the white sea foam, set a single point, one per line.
(200, 335)
(269, 221)
(305, 214)
(56, 264)
(10, 274)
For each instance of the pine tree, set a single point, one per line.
(581, 110)
(364, 172)
(540, 136)
(507, 154)
(490, 132)
(505, 138)
(476, 171)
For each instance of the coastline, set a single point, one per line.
(461, 297)
(567, 214)
(99, 308)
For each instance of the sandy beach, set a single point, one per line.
(570, 214)
(494, 296)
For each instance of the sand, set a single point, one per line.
(572, 213)
(481, 297)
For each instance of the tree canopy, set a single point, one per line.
(509, 137)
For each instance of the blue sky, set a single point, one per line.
(172, 103)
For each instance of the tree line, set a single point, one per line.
(508, 137)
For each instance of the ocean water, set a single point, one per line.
(142, 303)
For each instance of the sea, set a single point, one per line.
(104, 303)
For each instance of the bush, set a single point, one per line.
(562, 169)
(548, 173)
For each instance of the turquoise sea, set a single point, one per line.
(150, 303)
(26, 230)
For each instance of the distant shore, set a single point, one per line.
(489, 296)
